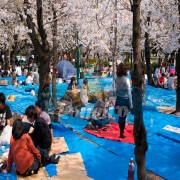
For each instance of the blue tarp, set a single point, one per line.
(106, 159)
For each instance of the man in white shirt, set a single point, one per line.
(18, 71)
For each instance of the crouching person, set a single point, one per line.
(100, 116)
(41, 135)
(22, 152)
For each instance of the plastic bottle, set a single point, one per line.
(131, 170)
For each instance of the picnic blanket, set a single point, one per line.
(111, 132)
(71, 167)
(59, 146)
(41, 175)
(166, 110)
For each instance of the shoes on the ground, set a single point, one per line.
(122, 136)
(54, 160)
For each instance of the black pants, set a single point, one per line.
(33, 169)
(122, 122)
(44, 155)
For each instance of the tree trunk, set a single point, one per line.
(178, 73)
(178, 81)
(44, 79)
(114, 45)
(147, 57)
(41, 46)
(14, 49)
(137, 79)
(13, 59)
(55, 59)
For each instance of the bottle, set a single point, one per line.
(131, 170)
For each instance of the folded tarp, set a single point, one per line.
(171, 133)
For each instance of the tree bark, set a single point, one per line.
(178, 73)
(55, 59)
(178, 81)
(41, 46)
(147, 57)
(114, 45)
(137, 79)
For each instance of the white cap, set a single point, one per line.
(132, 159)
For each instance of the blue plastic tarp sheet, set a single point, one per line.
(106, 159)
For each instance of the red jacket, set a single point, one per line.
(22, 152)
(161, 80)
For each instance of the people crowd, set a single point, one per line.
(165, 77)
(31, 142)
(30, 70)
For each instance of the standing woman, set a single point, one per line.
(22, 152)
(123, 97)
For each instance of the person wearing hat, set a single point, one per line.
(5, 112)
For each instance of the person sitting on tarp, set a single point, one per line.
(84, 92)
(35, 77)
(171, 82)
(22, 152)
(43, 114)
(99, 116)
(41, 135)
(74, 94)
(162, 81)
(29, 78)
(5, 113)
(72, 85)
(107, 101)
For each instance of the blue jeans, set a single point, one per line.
(100, 123)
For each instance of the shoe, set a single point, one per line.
(54, 160)
(122, 136)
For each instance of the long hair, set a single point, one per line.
(85, 81)
(18, 129)
(121, 70)
(72, 79)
